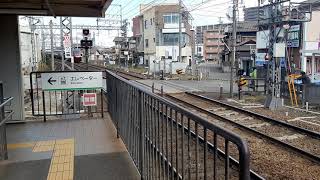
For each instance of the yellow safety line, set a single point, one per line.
(62, 161)
(20, 145)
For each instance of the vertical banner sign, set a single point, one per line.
(67, 46)
(89, 99)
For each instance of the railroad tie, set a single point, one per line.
(227, 113)
(290, 137)
(301, 118)
(216, 109)
(259, 125)
(245, 118)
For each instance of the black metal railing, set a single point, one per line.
(60, 102)
(167, 141)
(4, 117)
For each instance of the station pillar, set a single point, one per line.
(10, 64)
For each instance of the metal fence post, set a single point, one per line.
(116, 107)
(161, 90)
(44, 106)
(304, 94)
(31, 93)
(141, 111)
(101, 99)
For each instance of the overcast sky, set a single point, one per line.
(204, 12)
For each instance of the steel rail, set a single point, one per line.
(310, 156)
(260, 116)
(254, 175)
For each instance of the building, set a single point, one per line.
(137, 39)
(213, 45)
(199, 40)
(208, 41)
(310, 46)
(255, 13)
(160, 34)
(251, 14)
(245, 46)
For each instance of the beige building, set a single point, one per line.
(213, 46)
(161, 34)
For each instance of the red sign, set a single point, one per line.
(89, 99)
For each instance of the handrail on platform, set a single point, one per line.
(165, 139)
(4, 117)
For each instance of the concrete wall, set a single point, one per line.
(173, 51)
(10, 68)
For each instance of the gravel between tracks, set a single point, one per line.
(278, 114)
(270, 160)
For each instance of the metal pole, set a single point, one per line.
(51, 42)
(44, 106)
(180, 34)
(61, 44)
(220, 22)
(234, 40)
(101, 99)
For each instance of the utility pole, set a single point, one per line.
(65, 30)
(234, 42)
(51, 42)
(219, 41)
(180, 33)
(61, 45)
(279, 17)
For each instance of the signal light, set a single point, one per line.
(86, 43)
(85, 32)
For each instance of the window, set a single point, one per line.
(145, 24)
(172, 39)
(147, 42)
(151, 21)
(172, 18)
(154, 40)
(167, 19)
(199, 49)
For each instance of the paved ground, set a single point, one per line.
(66, 149)
(178, 86)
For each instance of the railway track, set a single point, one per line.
(191, 149)
(291, 138)
(92, 67)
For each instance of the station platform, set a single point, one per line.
(79, 149)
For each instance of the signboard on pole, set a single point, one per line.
(71, 80)
(89, 99)
(294, 36)
(67, 46)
